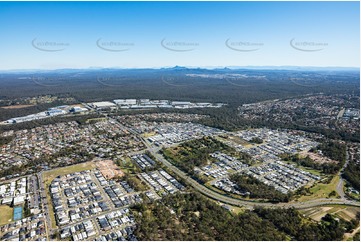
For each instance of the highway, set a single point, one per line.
(238, 202)
(242, 203)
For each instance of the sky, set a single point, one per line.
(54, 35)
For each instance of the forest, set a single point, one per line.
(352, 174)
(291, 222)
(194, 153)
(258, 189)
(176, 84)
(334, 150)
(191, 216)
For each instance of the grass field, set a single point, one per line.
(321, 190)
(236, 140)
(238, 210)
(49, 176)
(310, 170)
(6, 214)
(150, 134)
(94, 120)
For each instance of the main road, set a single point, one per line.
(249, 204)
(233, 201)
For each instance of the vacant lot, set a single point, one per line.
(48, 176)
(239, 141)
(317, 157)
(6, 214)
(109, 169)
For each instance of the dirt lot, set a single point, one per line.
(317, 157)
(239, 141)
(17, 106)
(109, 169)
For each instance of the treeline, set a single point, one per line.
(190, 216)
(228, 118)
(352, 174)
(327, 168)
(258, 189)
(291, 222)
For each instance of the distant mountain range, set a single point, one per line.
(184, 68)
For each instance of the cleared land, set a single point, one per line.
(317, 158)
(109, 169)
(17, 106)
(49, 176)
(239, 141)
(316, 213)
(6, 214)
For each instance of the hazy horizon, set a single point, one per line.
(285, 67)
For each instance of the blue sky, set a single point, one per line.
(193, 34)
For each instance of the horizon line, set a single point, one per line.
(178, 66)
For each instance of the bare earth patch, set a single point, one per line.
(109, 169)
(317, 157)
(17, 106)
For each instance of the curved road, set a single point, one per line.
(237, 202)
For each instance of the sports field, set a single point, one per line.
(6, 214)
